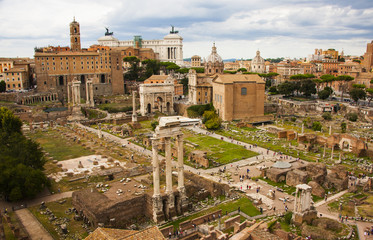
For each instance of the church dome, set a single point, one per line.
(214, 56)
(258, 59)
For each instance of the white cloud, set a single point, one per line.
(277, 28)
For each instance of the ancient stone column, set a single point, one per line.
(69, 99)
(155, 168)
(331, 156)
(330, 130)
(134, 115)
(168, 165)
(324, 151)
(87, 101)
(180, 163)
(302, 128)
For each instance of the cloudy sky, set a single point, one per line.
(278, 28)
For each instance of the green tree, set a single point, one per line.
(352, 117)
(327, 78)
(323, 94)
(308, 87)
(154, 124)
(199, 69)
(273, 90)
(316, 126)
(343, 83)
(2, 86)
(211, 120)
(134, 70)
(286, 88)
(152, 67)
(327, 116)
(357, 93)
(21, 160)
(318, 83)
(343, 127)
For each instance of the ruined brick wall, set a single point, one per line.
(99, 209)
(214, 188)
(231, 221)
(296, 177)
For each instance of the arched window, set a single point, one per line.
(243, 91)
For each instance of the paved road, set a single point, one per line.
(35, 230)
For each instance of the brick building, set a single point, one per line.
(238, 96)
(55, 69)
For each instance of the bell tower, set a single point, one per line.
(75, 36)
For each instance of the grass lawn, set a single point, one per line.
(347, 208)
(252, 136)
(74, 227)
(366, 210)
(8, 232)
(244, 203)
(218, 150)
(58, 147)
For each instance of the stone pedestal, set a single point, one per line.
(158, 215)
(307, 216)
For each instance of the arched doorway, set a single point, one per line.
(159, 104)
(345, 145)
(149, 108)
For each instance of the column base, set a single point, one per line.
(158, 215)
(171, 205)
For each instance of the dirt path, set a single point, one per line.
(33, 226)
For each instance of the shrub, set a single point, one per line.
(316, 126)
(154, 124)
(272, 89)
(287, 217)
(198, 110)
(324, 94)
(327, 116)
(343, 127)
(351, 117)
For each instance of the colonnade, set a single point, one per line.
(157, 199)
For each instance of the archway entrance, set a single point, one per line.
(159, 104)
(149, 108)
(345, 145)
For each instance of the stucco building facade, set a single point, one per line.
(238, 96)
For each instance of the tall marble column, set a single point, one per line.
(134, 115)
(180, 163)
(168, 165)
(155, 168)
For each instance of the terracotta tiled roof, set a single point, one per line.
(119, 234)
